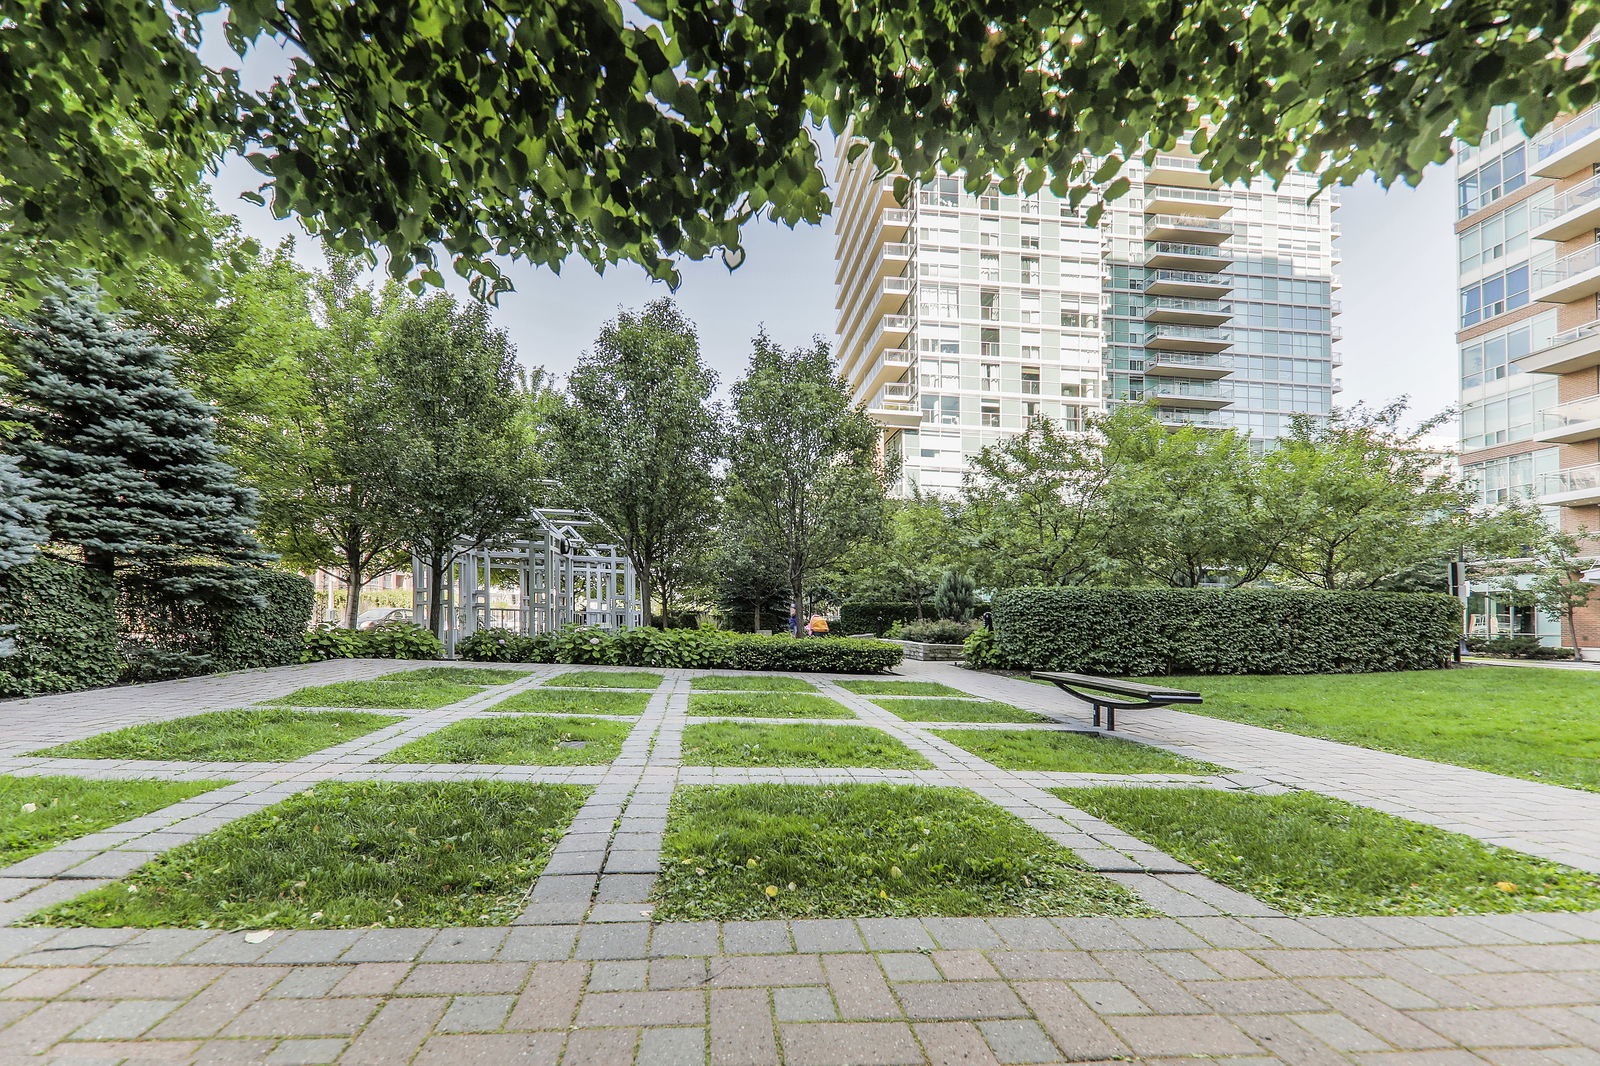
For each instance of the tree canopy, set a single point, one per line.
(572, 128)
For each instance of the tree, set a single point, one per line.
(1366, 501)
(804, 471)
(1553, 584)
(22, 518)
(570, 128)
(955, 597)
(458, 462)
(123, 457)
(751, 581)
(1037, 509)
(923, 540)
(636, 442)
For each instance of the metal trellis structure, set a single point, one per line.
(555, 577)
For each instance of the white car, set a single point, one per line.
(379, 615)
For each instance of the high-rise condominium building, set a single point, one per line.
(1528, 214)
(962, 317)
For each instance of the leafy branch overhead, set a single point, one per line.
(493, 128)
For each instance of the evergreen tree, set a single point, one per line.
(22, 518)
(124, 457)
(955, 596)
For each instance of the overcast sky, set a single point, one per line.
(1398, 292)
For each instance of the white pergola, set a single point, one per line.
(560, 577)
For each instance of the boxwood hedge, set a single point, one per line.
(1144, 632)
(705, 648)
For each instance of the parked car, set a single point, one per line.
(379, 615)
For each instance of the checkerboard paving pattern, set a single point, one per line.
(584, 976)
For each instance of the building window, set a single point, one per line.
(939, 301)
(1488, 183)
(1030, 410)
(1071, 417)
(1032, 308)
(988, 266)
(940, 374)
(1494, 295)
(989, 380)
(989, 343)
(1030, 380)
(1030, 347)
(941, 410)
(1506, 234)
(1080, 312)
(989, 305)
(1030, 233)
(1494, 355)
(990, 200)
(1030, 270)
(989, 232)
(990, 415)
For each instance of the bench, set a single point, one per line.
(1114, 695)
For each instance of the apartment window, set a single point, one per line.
(1029, 204)
(989, 343)
(989, 232)
(1495, 238)
(989, 380)
(1030, 270)
(1030, 380)
(989, 305)
(942, 192)
(1494, 295)
(940, 269)
(990, 200)
(1494, 355)
(1080, 312)
(1080, 390)
(988, 266)
(1071, 417)
(1488, 183)
(940, 301)
(989, 415)
(940, 374)
(941, 410)
(1030, 410)
(1032, 308)
(1031, 350)
(934, 228)
(1030, 233)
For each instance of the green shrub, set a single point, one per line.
(388, 640)
(1518, 648)
(878, 617)
(943, 631)
(165, 635)
(1141, 632)
(703, 648)
(979, 650)
(59, 629)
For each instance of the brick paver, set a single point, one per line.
(585, 976)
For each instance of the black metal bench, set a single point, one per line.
(1117, 694)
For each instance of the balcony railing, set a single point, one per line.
(1179, 192)
(1200, 251)
(897, 216)
(1567, 336)
(896, 323)
(897, 284)
(1199, 390)
(1572, 479)
(1187, 303)
(1177, 416)
(897, 250)
(1199, 360)
(1176, 162)
(1211, 225)
(1194, 333)
(1571, 413)
(1555, 271)
(1552, 141)
(1191, 277)
(898, 390)
(1574, 199)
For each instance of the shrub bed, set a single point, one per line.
(388, 640)
(1140, 632)
(878, 617)
(59, 628)
(712, 649)
(167, 636)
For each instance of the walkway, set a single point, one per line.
(584, 977)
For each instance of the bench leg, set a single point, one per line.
(1096, 715)
(1111, 719)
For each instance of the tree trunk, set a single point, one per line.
(642, 577)
(795, 591)
(436, 572)
(352, 604)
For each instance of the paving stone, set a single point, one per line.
(895, 934)
(1182, 1035)
(803, 1005)
(849, 1044)
(492, 1049)
(600, 1047)
(388, 945)
(909, 966)
(742, 1031)
(464, 978)
(538, 943)
(550, 998)
(127, 1019)
(1487, 1028)
(476, 1014)
(671, 1047)
(396, 1032)
(1076, 1029)
(755, 938)
(316, 1017)
(461, 945)
(682, 1007)
(305, 1052)
(817, 935)
(1019, 1041)
(685, 938)
(727, 971)
(958, 1000)
(618, 976)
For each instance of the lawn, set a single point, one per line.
(606, 679)
(252, 734)
(751, 683)
(863, 851)
(349, 854)
(574, 701)
(874, 687)
(957, 711)
(509, 740)
(1309, 854)
(1079, 753)
(424, 695)
(767, 705)
(37, 813)
(466, 675)
(764, 744)
(1537, 724)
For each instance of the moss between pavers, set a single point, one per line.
(863, 851)
(37, 813)
(348, 855)
(1304, 853)
(252, 734)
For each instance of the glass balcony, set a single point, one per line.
(1570, 422)
(1190, 395)
(1562, 151)
(1193, 365)
(1571, 214)
(1187, 310)
(1179, 418)
(1573, 487)
(1572, 349)
(1569, 278)
(1189, 228)
(1179, 200)
(1177, 337)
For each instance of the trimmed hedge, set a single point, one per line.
(165, 638)
(878, 617)
(1145, 632)
(61, 627)
(705, 648)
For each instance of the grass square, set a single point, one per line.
(957, 711)
(606, 679)
(466, 675)
(348, 854)
(536, 740)
(764, 744)
(865, 851)
(37, 813)
(424, 695)
(767, 705)
(1068, 752)
(250, 734)
(751, 683)
(1305, 853)
(875, 687)
(573, 701)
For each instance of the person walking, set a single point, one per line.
(817, 627)
(794, 619)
